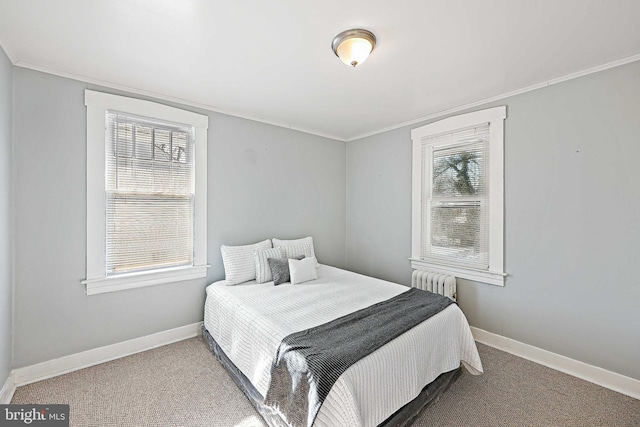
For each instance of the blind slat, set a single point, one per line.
(149, 194)
(456, 198)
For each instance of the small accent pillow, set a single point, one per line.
(305, 249)
(239, 262)
(304, 241)
(303, 270)
(280, 269)
(263, 272)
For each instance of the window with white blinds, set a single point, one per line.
(150, 194)
(146, 193)
(458, 200)
(456, 211)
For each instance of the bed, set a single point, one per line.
(245, 324)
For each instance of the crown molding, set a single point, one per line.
(450, 111)
(4, 44)
(159, 96)
(440, 114)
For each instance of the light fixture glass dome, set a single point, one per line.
(353, 46)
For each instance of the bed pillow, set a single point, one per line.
(303, 270)
(278, 242)
(292, 251)
(280, 269)
(296, 242)
(263, 272)
(239, 261)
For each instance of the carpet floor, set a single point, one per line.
(183, 384)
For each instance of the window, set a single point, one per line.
(146, 193)
(458, 181)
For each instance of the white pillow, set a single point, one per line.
(303, 270)
(304, 241)
(296, 251)
(278, 242)
(239, 261)
(263, 272)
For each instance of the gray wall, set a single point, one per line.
(571, 198)
(571, 219)
(264, 181)
(6, 90)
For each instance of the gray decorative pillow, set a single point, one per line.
(280, 269)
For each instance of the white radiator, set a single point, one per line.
(437, 283)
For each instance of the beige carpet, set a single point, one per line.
(182, 384)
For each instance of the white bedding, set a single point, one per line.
(250, 320)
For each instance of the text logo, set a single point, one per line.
(34, 415)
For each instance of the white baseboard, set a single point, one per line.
(602, 377)
(74, 362)
(7, 390)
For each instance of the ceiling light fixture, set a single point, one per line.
(353, 46)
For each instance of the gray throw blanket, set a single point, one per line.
(309, 362)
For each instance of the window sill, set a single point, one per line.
(141, 279)
(483, 276)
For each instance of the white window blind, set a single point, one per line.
(456, 212)
(149, 194)
(457, 218)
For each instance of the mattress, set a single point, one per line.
(249, 321)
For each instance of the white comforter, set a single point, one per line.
(250, 320)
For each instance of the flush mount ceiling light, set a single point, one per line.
(353, 46)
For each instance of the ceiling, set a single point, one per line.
(272, 61)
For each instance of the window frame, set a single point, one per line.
(494, 274)
(97, 281)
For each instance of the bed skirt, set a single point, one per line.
(403, 417)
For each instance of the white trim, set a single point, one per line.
(484, 101)
(416, 195)
(483, 276)
(96, 204)
(72, 76)
(107, 101)
(8, 389)
(4, 44)
(496, 191)
(144, 278)
(611, 380)
(77, 361)
(460, 121)
(106, 84)
(420, 189)
(97, 104)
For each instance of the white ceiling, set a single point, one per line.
(271, 60)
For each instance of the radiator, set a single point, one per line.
(442, 284)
